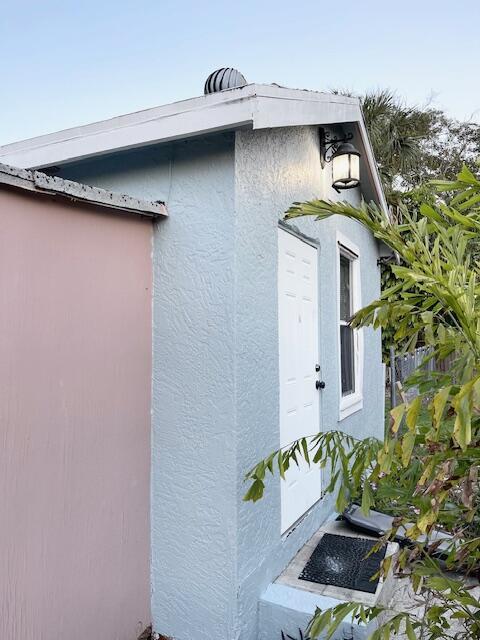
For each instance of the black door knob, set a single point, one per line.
(320, 384)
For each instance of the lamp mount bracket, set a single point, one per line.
(329, 144)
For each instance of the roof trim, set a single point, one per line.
(37, 182)
(257, 106)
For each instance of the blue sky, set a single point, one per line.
(73, 62)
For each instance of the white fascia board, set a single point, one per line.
(127, 132)
(372, 164)
(256, 106)
(244, 106)
(299, 107)
(275, 111)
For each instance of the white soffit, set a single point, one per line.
(258, 106)
(255, 106)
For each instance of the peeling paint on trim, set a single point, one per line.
(39, 182)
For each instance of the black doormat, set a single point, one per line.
(341, 561)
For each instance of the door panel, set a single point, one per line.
(298, 354)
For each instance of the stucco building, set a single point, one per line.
(249, 314)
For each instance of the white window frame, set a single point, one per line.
(352, 402)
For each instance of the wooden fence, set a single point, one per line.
(402, 366)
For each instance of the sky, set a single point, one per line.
(72, 62)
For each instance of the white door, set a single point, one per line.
(298, 352)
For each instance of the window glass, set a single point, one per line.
(347, 359)
(345, 306)
(347, 336)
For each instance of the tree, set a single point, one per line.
(449, 145)
(413, 144)
(425, 474)
(397, 133)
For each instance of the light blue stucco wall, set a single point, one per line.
(290, 610)
(193, 515)
(274, 168)
(215, 353)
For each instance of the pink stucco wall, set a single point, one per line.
(75, 371)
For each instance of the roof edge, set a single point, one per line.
(256, 106)
(179, 106)
(219, 111)
(38, 182)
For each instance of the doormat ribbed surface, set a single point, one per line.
(340, 561)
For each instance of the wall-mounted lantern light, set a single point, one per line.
(345, 159)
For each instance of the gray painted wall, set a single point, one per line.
(215, 354)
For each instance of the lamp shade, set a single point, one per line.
(346, 167)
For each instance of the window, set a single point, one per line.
(350, 340)
(347, 342)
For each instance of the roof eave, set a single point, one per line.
(41, 183)
(255, 106)
(372, 165)
(225, 110)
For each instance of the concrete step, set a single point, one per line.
(288, 604)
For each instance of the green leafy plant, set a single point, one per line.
(426, 471)
(413, 144)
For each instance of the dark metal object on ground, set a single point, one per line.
(343, 561)
(347, 635)
(377, 524)
(287, 636)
